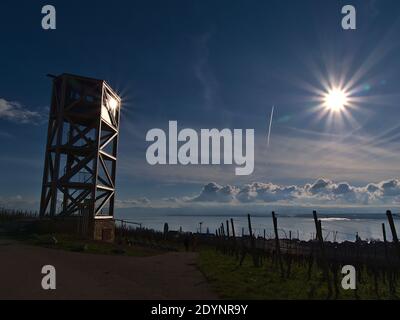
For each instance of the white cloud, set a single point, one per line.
(321, 192)
(14, 111)
(215, 193)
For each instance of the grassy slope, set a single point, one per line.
(15, 227)
(248, 282)
(72, 243)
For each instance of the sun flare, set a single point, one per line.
(112, 103)
(336, 100)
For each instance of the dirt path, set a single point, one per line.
(90, 276)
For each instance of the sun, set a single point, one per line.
(336, 100)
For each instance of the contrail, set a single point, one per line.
(270, 125)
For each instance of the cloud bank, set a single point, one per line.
(320, 192)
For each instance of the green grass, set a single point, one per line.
(247, 282)
(76, 244)
(20, 231)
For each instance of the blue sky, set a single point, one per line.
(209, 64)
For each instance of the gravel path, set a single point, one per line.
(91, 276)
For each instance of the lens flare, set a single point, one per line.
(112, 103)
(336, 100)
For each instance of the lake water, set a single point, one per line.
(339, 226)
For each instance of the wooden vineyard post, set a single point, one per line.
(220, 239)
(277, 245)
(234, 238)
(233, 229)
(224, 244)
(252, 242)
(393, 230)
(250, 228)
(228, 244)
(320, 240)
(385, 241)
(390, 273)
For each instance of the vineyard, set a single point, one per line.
(379, 260)
(375, 262)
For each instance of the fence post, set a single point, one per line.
(234, 237)
(390, 274)
(385, 240)
(320, 240)
(277, 245)
(227, 228)
(233, 229)
(394, 233)
(252, 242)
